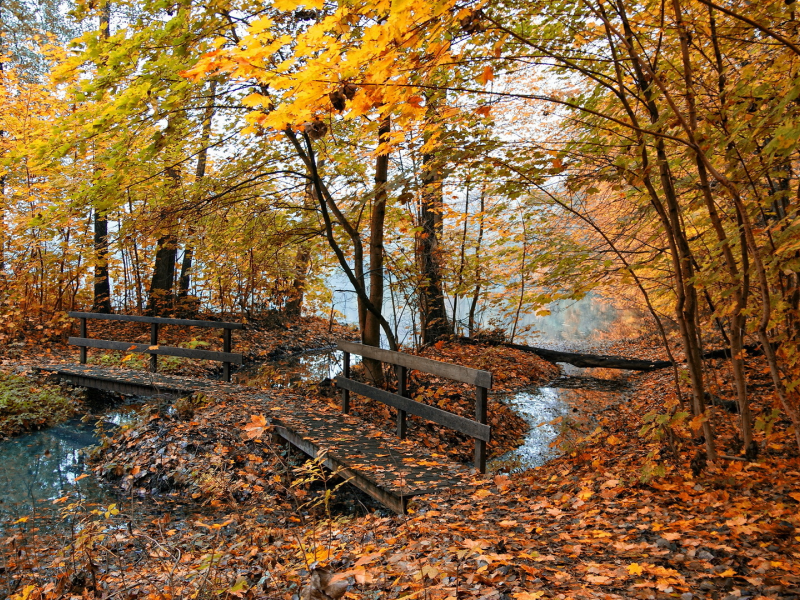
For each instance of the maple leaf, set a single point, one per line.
(256, 427)
(486, 75)
(635, 569)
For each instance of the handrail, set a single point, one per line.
(160, 350)
(158, 320)
(226, 357)
(482, 380)
(434, 367)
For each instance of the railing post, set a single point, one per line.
(154, 342)
(83, 335)
(346, 375)
(402, 373)
(226, 347)
(480, 417)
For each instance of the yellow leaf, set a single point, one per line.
(253, 100)
(21, 520)
(635, 569)
(430, 572)
(26, 593)
(260, 25)
(482, 494)
(286, 5)
(727, 573)
(528, 595)
(152, 347)
(613, 440)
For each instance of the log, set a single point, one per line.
(604, 361)
(583, 360)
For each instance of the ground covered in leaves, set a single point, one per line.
(627, 513)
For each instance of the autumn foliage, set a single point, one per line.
(450, 168)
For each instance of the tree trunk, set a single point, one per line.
(371, 335)
(462, 261)
(294, 306)
(184, 281)
(161, 301)
(433, 312)
(477, 292)
(102, 281)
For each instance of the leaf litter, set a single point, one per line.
(622, 513)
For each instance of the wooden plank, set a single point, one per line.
(346, 392)
(480, 415)
(462, 424)
(154, 342)
(402, 377)
(160, 320)
(434, 367)
(113, 385)
(397, 503)
(162, 350)
(83, 334)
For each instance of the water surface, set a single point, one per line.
(39, 468)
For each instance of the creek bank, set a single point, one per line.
(29, 403)
(560, 411)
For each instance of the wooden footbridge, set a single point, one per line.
(390, 470)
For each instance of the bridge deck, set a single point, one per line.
(388, 469)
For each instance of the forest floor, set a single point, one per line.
(214, 507)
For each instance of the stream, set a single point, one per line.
(38, 469)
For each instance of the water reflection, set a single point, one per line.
(302, 369)
(40, 467)
(589, 322)
(571, 324)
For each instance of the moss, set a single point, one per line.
(27, 404)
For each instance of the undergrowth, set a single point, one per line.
(27, 404)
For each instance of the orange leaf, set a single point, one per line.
(635, 569)
(486, 76)
(256, 427)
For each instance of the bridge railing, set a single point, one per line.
(482, 380)
(226, 357)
